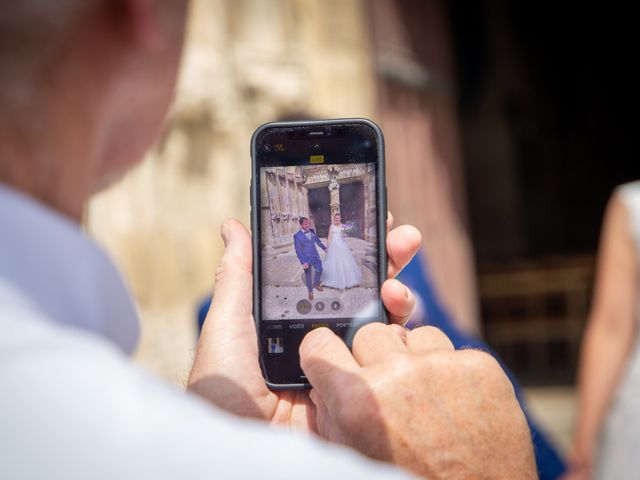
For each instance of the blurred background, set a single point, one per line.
(502, 121)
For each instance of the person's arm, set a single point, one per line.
(329, 239)
(609, 334)
(318, 241)
(226, 368)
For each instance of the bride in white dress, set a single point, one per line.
(340, 267)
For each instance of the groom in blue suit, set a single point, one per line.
(305, 244)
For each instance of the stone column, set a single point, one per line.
(305, 202)
(300, 212)
(295, 204)
(281, 203)
(293, 200)
(274, 202)
(304, 196)
(265, 212)
(334, 196)
(370, 204)
(269, 176)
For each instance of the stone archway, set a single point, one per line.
(316, 192)
(358, 198)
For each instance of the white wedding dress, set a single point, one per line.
(620, 436)
(340, 269)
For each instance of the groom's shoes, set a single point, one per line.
(319, 288)
(310, 295)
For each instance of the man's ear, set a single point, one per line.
(139, 21)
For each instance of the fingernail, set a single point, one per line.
(225, 233)
(406, 292)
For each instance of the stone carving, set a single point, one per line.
(287, 195)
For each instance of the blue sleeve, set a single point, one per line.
(318, 241)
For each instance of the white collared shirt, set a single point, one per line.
(72, 406)
(62, 271)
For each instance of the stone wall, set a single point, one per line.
(284, 199)
(425, 176)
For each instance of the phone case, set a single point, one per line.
(381, 201)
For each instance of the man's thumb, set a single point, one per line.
(233, 286)
(327, 362)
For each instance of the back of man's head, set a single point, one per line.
(84, 88)
(31, 32)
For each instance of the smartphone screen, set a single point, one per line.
(318, 221)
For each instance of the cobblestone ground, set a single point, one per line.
(285, 285)
(281, 302)
(283, 269)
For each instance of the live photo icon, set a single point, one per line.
(316, 159)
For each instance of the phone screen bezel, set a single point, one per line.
(381, 207)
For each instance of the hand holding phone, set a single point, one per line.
(227, 373)
(226, 369)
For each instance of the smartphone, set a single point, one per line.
(318, 218)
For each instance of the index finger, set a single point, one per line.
(402, 244)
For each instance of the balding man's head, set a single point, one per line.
(86, 78)
(31, 33)
(34, 34)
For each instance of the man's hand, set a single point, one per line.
(226, 369)
(409, 398)
(305, 266)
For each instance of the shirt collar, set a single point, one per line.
(67, 276)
